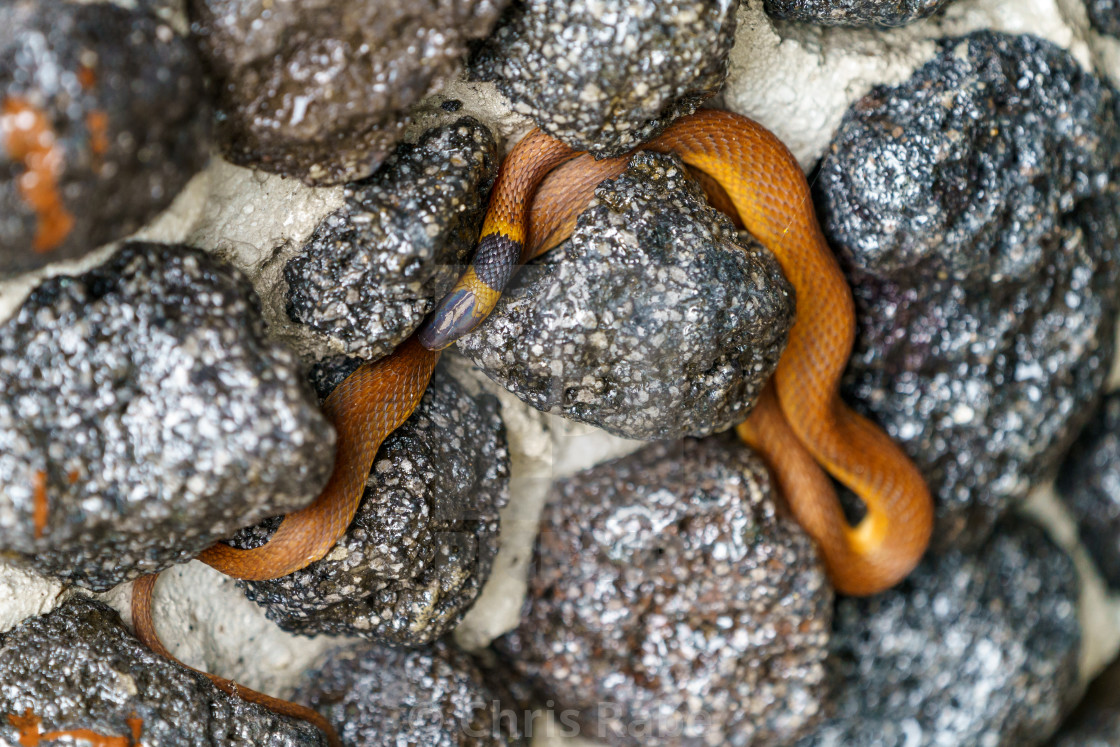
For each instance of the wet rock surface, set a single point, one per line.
(1104, 15)
(78, 668)
(320, 90)
(371, 270)
(146, 415)
(422, 543)
(102, 122)
(1089, 482)
(671, 600)
(434, 696)
(976, 209)
(977, 648)
(606, 75)
(887, 13)
(654, 321)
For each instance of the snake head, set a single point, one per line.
(453, 317)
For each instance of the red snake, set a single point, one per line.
(800, 426)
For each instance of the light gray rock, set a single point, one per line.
(147, 415)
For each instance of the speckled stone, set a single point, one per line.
(78, 668)
(977, 210)
(1089, 482)
(655, 321)
(888, 13)
(434, 696)
(606, 75)
(1104, 15)
(971, 649)
(114, 98)
(671, 601)
(370, 272)
(321, 90)
(422, 543)
(163, 417)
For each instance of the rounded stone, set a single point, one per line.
(607, 75)
(321, 90)
(1089, 482)
(102, 122)
(972, 648)
(1105, 16)
(146, 415)
(434, 696)
(673, 601)
(371, 270)
(882, 13)
(1096, 720)
(975, 210)
(78, 668)
(656, 320)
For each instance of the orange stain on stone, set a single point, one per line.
(87, 78)
(97, 122)
(39, 505)
(29, 138)
(29, 735)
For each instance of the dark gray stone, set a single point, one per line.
(435, 696)
(655, 321)
(1096, 721)
(606, 75)
(102, 121)
(976, 649)
(417, 553)
(1104, 15)
(673, 602)
(78, 668)
(321, 90)
(886, 13)
(162, 416)
(976, 209)
(370, 272)
(1101, 729)
(1089, 482)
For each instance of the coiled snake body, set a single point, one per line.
(800, 426)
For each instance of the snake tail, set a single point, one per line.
(145, 628)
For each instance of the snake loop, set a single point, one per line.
(800, 426)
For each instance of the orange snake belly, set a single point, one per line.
(800, 427)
